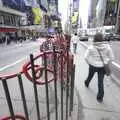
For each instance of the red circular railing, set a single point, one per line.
(38, 68)
(25, 70)
(20, 117)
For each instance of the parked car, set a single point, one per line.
(84, 37)
(109, 37)
(112, 37)
(116, 37)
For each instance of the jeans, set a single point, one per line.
(74, 47)
(101, 73)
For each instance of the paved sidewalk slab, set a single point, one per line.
(109, 109)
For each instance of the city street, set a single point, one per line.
(12, 59)
(42, 77)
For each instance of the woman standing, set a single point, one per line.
(92, 57)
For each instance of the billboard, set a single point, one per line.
(37, 15)
(31, 3)
(75, 17)
(15, 4)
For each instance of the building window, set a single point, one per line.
(1, 20)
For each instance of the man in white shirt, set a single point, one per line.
(74, 41)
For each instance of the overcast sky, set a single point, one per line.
(84, 7)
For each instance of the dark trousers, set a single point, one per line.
(101, 73)
(74, 47)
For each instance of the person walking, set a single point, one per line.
(93, 58)
(74, 41)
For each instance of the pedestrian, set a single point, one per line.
(74, 41)
(93, 58)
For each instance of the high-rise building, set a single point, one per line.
(110, 12)
(100, 12)
(117, 25)
(92, 14)
(9, 17)
(75, 15)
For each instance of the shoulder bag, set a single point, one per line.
(106, 66)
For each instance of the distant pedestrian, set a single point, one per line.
(74, 41)
(92, 57)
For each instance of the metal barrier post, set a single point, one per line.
(35, 87)
(67, 85)
(9, 102)
(55, 82)
(72, 89)
(23, 96)
(61, 56)
(46, 86)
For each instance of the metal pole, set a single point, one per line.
(61, 56)
(55, 82)
(67, 86)
(35, 87)
(9, 102)
(46, 86)
(23, 96)
(72, 89)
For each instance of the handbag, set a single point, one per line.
(106, 66)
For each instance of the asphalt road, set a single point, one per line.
(116, 50)
(18, 52)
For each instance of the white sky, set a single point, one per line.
(84, 6)
(63, 6)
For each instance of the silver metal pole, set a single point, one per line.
(117, 19)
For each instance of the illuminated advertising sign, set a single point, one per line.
(75, 17)
(37, 15)
(14, 4)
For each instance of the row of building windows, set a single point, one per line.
(11, 20)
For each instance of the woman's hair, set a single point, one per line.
(75, 33)
(98, 37)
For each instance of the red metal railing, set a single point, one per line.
(61, 58)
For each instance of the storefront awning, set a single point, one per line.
(8, 29)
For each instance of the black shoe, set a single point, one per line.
(86, 84)
(100, 99)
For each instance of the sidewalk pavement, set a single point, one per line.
(86, 106)
(89, 108)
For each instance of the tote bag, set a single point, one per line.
(106, 66)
